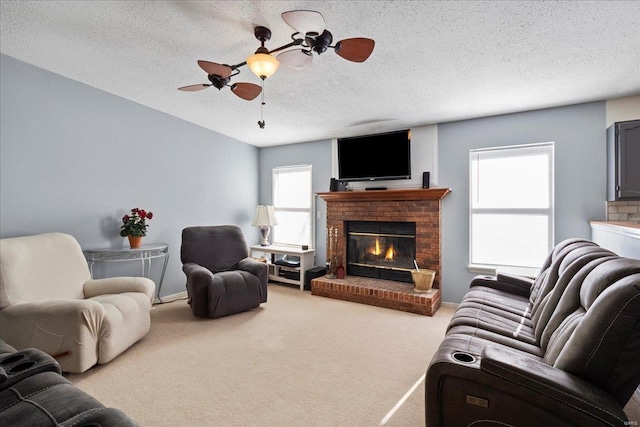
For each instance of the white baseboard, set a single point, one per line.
(171, 298)
(450, 304)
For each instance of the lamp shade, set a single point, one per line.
(265, 216)
(263, 65)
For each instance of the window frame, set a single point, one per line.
(274, 182)
(547, 148)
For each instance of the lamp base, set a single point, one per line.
(264, 234)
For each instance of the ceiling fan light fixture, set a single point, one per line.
(296, 59)
(306, 22)
(263, 65)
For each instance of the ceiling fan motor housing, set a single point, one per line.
(320, 43)
(218, 81)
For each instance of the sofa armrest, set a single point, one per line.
(520, 282)
(470, 379)
(517, 285)
(199, 279)
(52, 307)
(53, 326)
(540, 378)
(258, 269)
(23, 364)
(197, 273)
(118, 285)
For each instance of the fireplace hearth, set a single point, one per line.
(381, 250)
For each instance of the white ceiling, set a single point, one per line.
(434, 61)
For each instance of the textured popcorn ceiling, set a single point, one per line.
(434, 61)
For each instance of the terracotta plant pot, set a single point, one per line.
(135, 241)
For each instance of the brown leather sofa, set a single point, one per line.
(563, 349)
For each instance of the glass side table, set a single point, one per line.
(144, 254)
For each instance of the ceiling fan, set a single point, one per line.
(310, 37)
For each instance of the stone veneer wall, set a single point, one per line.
(425, 213)
(624, 211)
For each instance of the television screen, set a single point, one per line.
(375, 157)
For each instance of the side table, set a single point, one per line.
(306, 262)
(144, 254)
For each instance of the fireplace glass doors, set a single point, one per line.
(381, 250)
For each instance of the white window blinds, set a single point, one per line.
(292, 202)
(511, 205)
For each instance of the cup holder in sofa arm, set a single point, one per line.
(12, 359)
(22, 367)
(25, 363)
(462, 357)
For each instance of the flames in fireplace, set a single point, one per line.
(376, 251)
(389, 252)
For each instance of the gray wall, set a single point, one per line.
(580, 172)
(75, 159)
(317, 154)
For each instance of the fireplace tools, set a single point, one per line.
(333, 259)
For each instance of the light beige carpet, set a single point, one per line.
(298, 360)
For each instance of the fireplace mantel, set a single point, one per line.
(396, 194)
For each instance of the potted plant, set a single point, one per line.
(134, 226)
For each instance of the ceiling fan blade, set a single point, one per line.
(306, 22)
(193, 88)
(356, 49)
(296, 58)
(246, 91)
(223, 71)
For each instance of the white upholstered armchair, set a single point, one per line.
(49, 301)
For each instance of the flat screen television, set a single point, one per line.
(377, 157)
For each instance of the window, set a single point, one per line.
(292, 202)
(511, 206)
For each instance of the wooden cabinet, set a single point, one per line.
(623, 161)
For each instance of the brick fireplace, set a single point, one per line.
(419, 206)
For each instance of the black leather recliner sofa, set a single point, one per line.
(34, 393)
(560, 350)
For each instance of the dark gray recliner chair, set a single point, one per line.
(221, 278)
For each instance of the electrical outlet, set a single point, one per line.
(319, 214)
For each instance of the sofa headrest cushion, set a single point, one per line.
(603, 276)
(41, 267)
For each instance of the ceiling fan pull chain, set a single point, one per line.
(261, 121)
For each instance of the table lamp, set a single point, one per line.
(265, 218)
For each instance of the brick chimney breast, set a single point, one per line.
(422, 206)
